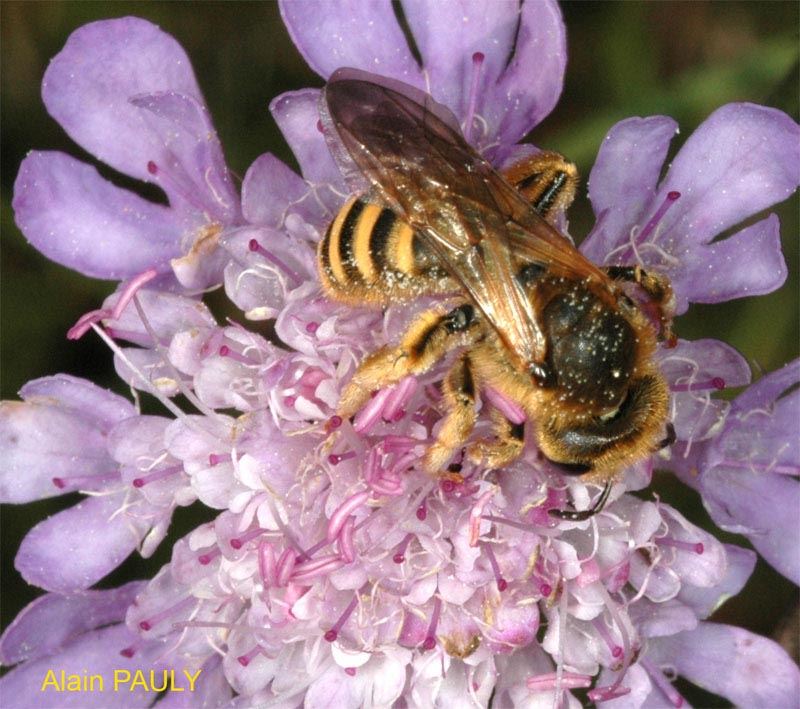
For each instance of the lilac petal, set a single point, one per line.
(88, 85)
(747, 669)
(705, 601)
(102, 407)
(297, 116)
(747, 263)
(75, 548)
(82, 221)
(767, 389)
(742, 159)
(93, 653)
(353, 33)
(212, 689)
(60, 432)
(270, 187)
(624, 179)
(763, 507)
(189, 165)
(52, 621)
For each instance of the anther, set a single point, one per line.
(399, 555)
(247, 658)
(695, 547)
(84, 480)
(477, 63)
(672, 694)
(157, 475)
(333, 633)
(603, 631)
(422, 512)
(715, 383)
(502, 584)
(216, 458)
(208, 556)
(336, 458)
(333, 423)
(150, 623)
(129, 651)
(255, 246)
(152, 168)
(239, 542)
(670, 199)
(312, 327)
(351, 671)
(430, 637)
(225, 351)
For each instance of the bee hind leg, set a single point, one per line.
(458, 389)
(426, 341)
(505, 447)
(657, 288)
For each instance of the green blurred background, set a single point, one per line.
(683, 59)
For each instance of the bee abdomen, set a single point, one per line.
(369, 252)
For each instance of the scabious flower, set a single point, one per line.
(338, 573)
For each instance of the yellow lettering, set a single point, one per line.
(192, 678)
(91, 680)
(139, 681)
(74, 683)
(172, 687)
(51, 681)
(118, 678)
(153, 681)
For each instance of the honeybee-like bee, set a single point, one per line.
(531, 317)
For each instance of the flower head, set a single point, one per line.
(337, 571)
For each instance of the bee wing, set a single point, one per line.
(410, 148)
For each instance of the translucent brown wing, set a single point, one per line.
(480, 228)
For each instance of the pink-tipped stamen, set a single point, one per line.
(312, 327)
(430, 637)
(399, 555)
(225, 351)
(207, 557)
(717, 383)
(501, 583)
(217, 458)
(606, 694)
(336, 458)
(333, 633)
(371, 413)
(476, 516)
(422, 512)
(477, 64)
(694, 547)
(129, 651)
(545, 589)
(247, 658)
(85, 322)
(350, 671)
(255, 246)
(84, 480)
(157, 475)
(310, 570)
(286, 565)
(549, 681)
(153, 621)
(673, 696)
(398, 397)
(267, 564)
(239, 542)
(510, 409)
(602, 629)
(339, 517)
(333, 423)
(669, 200)
(345, 542)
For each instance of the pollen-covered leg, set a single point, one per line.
(458, 389)
(505, 447)
(657, 288)
(429, 338)
(547, 180)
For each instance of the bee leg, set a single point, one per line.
(656, 287)
(547, 180)
(458, 389)
(575, 516)
(429, 338)
(500, 451)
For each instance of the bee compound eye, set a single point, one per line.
(541, 374)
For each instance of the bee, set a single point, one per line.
(527, 314)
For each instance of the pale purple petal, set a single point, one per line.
(74, 549)
(761, 506)
(353, 33)
(211, 690)
(270, 189)
(93, 653)
(769, 388)
(625, 178)
(297, 115)
(747, 669)
(59, 432)
(88, 85)
(52, 621)
(704, 601)
(747, 263)
(82, 221)
(189, 165)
